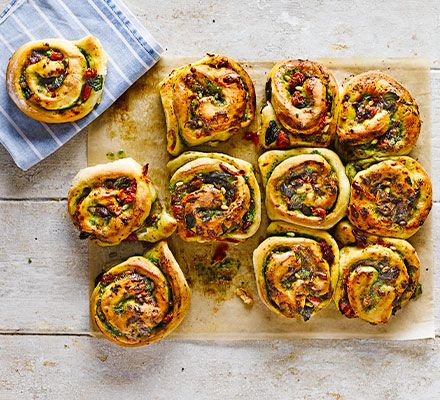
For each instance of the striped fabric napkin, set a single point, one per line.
(130, 48)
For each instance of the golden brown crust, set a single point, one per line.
(56, 80)
(377, 275)
(112, 202)
(107, 209)
(214, 197)
(378, 117)
(306, 186)
(347, 235)
(207, 101)
(302, 102)
(389, 197)
(296, 270)
(141, 300)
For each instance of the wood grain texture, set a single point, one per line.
(86, 368)
(49, 179)
(49, 295)
(43, 268)
(267, 29)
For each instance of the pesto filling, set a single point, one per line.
(52, 84)
(287, 282)
(308, 173)
(120, 307)
(222, 181)
(386, 276)
(366, 107)
(101, 214)
(202, 88)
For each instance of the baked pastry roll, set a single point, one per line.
(141, 300)
(305, 186)
(296, 270)
(116, 201)
(57, 80)
(157, 226)
(207, 101)
(389, 197)
(214, 197)
(301, 109)
(377, 276)
(378, 117)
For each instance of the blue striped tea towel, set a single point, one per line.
(130, 48)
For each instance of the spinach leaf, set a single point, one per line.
(389, 100)
(58, 81)
(96, 82)
(122, 183)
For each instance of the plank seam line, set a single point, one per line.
(36, 199)
(19, 333)
(85, 334)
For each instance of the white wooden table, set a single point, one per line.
(44, 352)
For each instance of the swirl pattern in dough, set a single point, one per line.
(109, 202)
(377, 275)
(301, 109)
(389, 197)
(207, 101)
(214, 197)
(305, 186)
(141, 300)
(378, 117)
(296, 270)
(56, 80)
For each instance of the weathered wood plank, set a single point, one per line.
(41, 367)
(43, 269)
(50, 294)
(265, 29)
(49, 179)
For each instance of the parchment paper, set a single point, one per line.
(136, 125)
